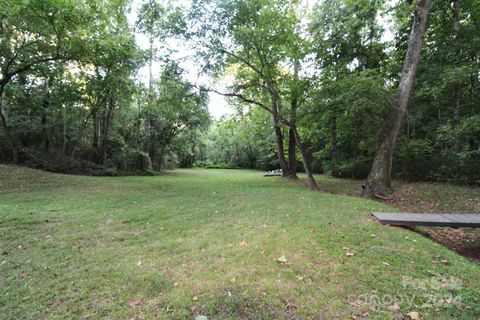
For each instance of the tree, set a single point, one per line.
(346, 40)
(258, 38)
(34, 33)
(174, 107)
(379, 178)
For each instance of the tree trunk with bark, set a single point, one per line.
(457, 84)
(6, 129)
(379, 178)
(292, 144)
(475, 90)
(292, 154)
(306, 163)
(334, 142)
(45, 105)
(64, 129)
(79, 139)
(106, 128)
(282, 161)
(96, 129)
(286, 173)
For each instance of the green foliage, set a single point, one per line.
(69, 91)
(356, 103)
(133, 160)
(245, 141)
(220, 166)
(172, 108)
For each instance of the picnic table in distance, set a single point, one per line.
(273, 173)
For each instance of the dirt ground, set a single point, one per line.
(427, 197)
(465, 241)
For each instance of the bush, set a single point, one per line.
(413, 159)
(170, 160)
(133, 160)
(59, 163)
(221, 166)
(200, 164)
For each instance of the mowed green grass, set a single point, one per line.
(206, 242)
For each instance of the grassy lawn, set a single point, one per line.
(207, 242)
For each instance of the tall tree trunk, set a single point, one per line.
(379, 178)
(280, 148)
(96, 129)
(474, 91)
(6, 129)
(152, 142)
(354, 165)
(45, 105)
(64, 130)
(193, 158)
(457, 84)
(292, 144)
(292, 153)
(150, 125)
(80, 134)
(106, 128)
(279, 137)
(456, 93)
(334, 142)
(306, 163)
(251, 157)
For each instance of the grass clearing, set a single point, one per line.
(206, 242)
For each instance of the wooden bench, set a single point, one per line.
(273, 173)
(455, 220)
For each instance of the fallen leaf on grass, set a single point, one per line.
(413, 315)
(394, 307)
(356, 304)
(440, 261)
(349, 254)
(290, 306)
(135, 302)
(282, 259)
(243, 244)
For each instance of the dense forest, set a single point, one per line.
(320, 87)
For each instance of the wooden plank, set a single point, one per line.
(464, 217)
(471, 220)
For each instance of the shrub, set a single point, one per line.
(221, 166)
(133, 160)
(56, 162)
